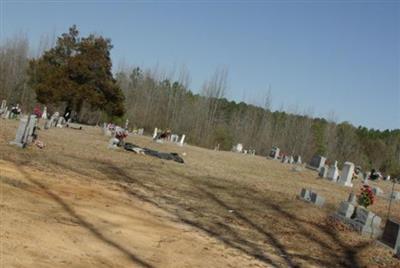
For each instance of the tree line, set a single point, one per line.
(75, 72)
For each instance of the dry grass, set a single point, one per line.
(246, 203)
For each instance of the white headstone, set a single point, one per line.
(3, 105)
(44, 114)
(126, 123)
(24, 131)
(155, 133)
(347, 174)
(333, 172)
(274, 153)
(182, 140)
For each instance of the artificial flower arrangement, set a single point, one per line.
(366, 197)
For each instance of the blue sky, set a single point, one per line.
(319, 56)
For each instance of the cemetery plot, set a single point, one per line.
(86, 205)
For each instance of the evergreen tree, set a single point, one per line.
(77, 72)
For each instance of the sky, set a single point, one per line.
(336, 59)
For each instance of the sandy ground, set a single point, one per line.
(76, 203)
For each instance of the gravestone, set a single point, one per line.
(182, 140)
(126, 123)
(5, 114)
(317, 162)
(317, 199)
(285, 159)
(24, 131)
(367, 222)
(297, 159)
(174, 138)
(155, 133)
(333, 172)
(274, 153)
(291, 160)
(60, 122)
(47, 124)
(3, 106)
(305, 194)
(352, 198)
(347, 174)
(391, 234)
(360, 219)
(346, 209)
(44, 114)
(395, 196)
(323, 172)
(140, 131)
(311, 197)
(377, 191)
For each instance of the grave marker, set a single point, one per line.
(317, 162)
(333, 172)
(347, 174)
(274, 153)
(323, 172)
(24, 131)
(182, 140)
(391, 234)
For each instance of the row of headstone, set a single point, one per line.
(312, 197)
(359, 218)
(274, 153)
(291, 159)
(24, 132)
(332, 173)
(238, 148)
(54, 121)
(180, 141)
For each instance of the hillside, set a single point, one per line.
(76, 203)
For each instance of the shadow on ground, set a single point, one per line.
(259, 223)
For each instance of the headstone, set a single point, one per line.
(285, 159)
(312, 197)
(126, 123)
(274, 153)
(346, 209)
(323, 172)
(44, 114)
(182, 140)
(174, 138)
(297, 160)
(305, 194)
(140, 131)
(5, 114)
(291, 160)
(347, 174)
(333, 172)
(24, 131)
(352, 198)
(395, 196)
(113, 143)
(155, 133)
(317, 162)
(363, 220)
(377, 191)
(3, 106)
(391, 234)
(60, 122)
(366, 222)
(47, 124)
(317, 199)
